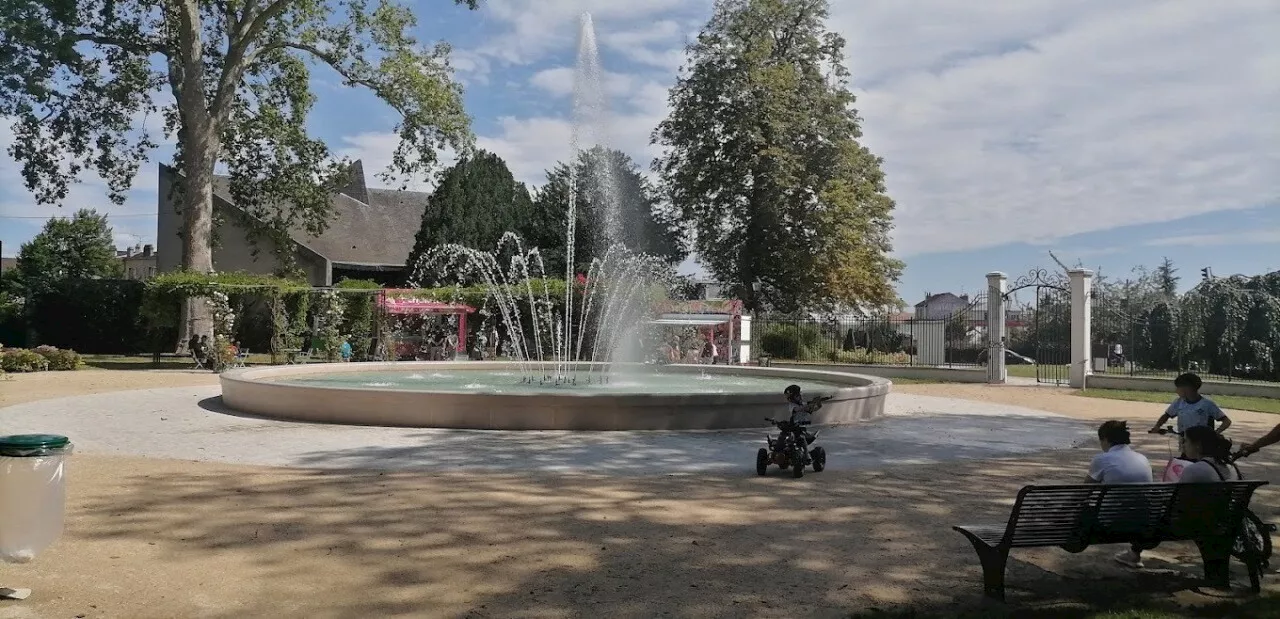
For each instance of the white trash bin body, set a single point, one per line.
(32, 493)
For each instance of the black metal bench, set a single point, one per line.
(1075, 517)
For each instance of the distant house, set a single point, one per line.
(708, 290)
(369, 237)
(941, 306)
(8, 264)
(139, 262)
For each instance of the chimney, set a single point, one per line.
(128, 252)
(356, 187)
(146, 251)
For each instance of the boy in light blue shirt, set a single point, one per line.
(1192, 409)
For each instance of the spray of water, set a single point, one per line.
(596, 319)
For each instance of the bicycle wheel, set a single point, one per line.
(1254, 540)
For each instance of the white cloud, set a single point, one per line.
(534, 28)
(1115, 115)
(374, 149)
(1012, 121)
(558, 81)
(1240, 238)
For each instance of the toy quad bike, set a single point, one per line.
(791, 451)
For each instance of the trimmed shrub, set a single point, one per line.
(60, 359)
(22, 360)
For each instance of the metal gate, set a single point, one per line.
(1041, 331)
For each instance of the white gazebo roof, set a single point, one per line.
(697, 320)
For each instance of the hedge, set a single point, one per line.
(94, 316)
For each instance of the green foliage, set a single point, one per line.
(78, 79)
(81, 247)
(1166, 278)
(13, 323)
(791, 341)
(879, 336)
(96, 316)
(862, 356)
(164, 294)
(762, 160)
(1223, 326)
(476, 202)
(60, 359)
(357, 321)
(358, 284)
(330, 313)
(22, 360)
(297, 308)
(642, 225)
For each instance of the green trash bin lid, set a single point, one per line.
(20, 445)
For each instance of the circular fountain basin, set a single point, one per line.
(491, 396)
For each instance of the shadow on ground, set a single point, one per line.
(346, 544)
(898, 440)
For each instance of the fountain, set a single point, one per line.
(564, 371)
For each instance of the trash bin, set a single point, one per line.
(32, 493)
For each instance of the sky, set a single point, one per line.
(1113, 134)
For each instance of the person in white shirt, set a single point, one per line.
(1118, 463)
(1192, 409)
(1212, 454)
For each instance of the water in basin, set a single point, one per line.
(508, 381)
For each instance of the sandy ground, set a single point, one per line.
(21, 388)
(167, 538)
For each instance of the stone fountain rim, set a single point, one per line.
(855, 398)
(847, 385)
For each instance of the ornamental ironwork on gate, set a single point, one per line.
(1040, 330)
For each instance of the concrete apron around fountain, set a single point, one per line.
(190, 424)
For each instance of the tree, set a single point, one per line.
(762, 159)
(476, 202)
(1167, 279)
(79, 79)
(606, 179)
(81, 247)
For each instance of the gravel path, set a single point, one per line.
(189, 423)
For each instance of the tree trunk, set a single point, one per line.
(199, 158)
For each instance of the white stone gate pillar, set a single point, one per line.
(997, 328)
(1081, 326)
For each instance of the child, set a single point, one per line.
(1192, 409)
(799, 412)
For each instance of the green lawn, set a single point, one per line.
(1240, 403)
(1022, 371)
(146, 362)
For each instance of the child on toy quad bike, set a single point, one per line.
(800, 415)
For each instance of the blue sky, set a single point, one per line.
(1113, 134)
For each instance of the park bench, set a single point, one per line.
(1074, 517)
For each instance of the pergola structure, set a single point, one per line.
(710, 314)
(391, 303)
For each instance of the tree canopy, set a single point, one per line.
(476, 202)
(762, 159)
(79, 247)
(80, 78)
(605, 179)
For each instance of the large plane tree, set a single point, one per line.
(79, 79)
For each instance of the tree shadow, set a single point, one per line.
(893, 441)
(454, 544)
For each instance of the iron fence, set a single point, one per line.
(956, 341)
(1164, 337)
